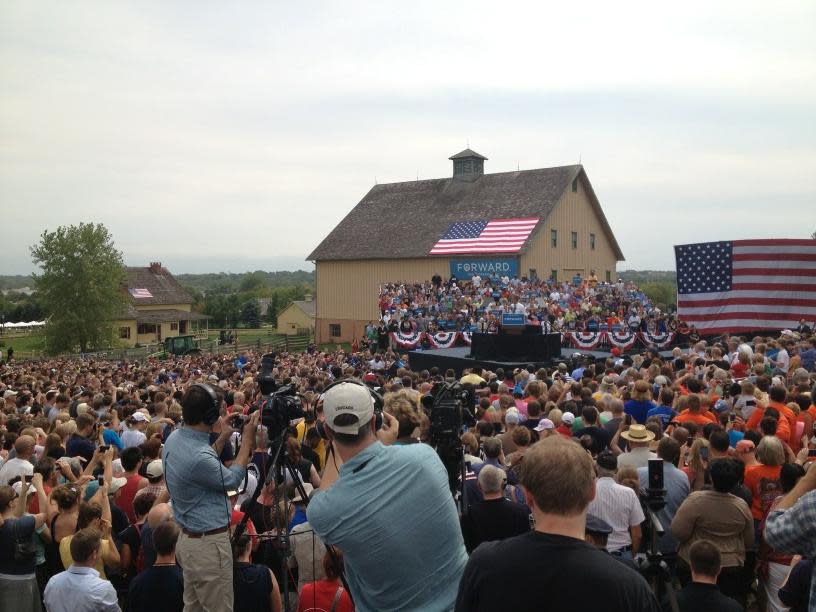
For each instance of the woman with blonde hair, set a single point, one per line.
(697, 464)
(763, 479)
(402, 406)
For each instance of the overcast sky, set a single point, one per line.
(220, 136)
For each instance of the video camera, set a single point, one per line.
(279, 405)
(449, 407)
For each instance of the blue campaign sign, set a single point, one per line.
(468, 268)
(511, 318)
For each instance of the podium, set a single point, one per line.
(522, 344)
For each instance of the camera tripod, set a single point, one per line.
(655, 569)
(281, 463)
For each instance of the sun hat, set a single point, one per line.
(638, 433)
(568, 418)
(348, 398)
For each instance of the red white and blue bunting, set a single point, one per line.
(409, 340)
(624, 340)
(659, 340)
(443, 340)
(587, 341)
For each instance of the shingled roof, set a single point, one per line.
(404, 220)
(162, 285)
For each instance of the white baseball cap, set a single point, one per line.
(348, 398)
(18, 487)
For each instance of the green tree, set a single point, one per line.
(272, 309)
(253, 281)
(662, 294)
(80, 286)
(251, 313)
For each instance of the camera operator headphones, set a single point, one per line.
(376, 397)
(213, 410)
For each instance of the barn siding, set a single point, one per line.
(573, 213)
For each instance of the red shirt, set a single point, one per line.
(237, 517)
(320, 595)
(124, 496)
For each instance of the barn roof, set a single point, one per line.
(161, 285)
(404, 220)
(307, 306)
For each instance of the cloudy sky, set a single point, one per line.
(220, 136)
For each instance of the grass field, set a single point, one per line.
(33, 345)
(24, 346)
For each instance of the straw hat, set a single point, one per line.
(638, 433)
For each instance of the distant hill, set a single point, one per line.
(648, 276)
(16, 281)
(227, 282)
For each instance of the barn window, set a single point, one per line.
(608, 276)
(592, 241)
(575, 185)
(146, 328)
(554, 274)
(124, 332)
(574, 239)
(553, 238)
(334, 330)
(174, 327)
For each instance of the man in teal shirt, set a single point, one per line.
(389, 509)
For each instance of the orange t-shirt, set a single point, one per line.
(763, 482)
(787, 420)
(699, 418)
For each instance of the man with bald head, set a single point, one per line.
(21, 464)
(160, 513)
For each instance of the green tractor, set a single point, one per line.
(181, 345)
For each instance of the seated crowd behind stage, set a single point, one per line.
(475, 304)
(732, 423)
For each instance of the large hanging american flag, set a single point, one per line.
(746, 285)
(494, 236)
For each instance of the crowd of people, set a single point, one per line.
(476, 304)
(123, 484)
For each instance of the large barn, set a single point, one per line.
(389, 236)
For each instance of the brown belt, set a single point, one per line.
(191, 534)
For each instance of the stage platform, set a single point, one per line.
(457, 359)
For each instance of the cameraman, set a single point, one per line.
(389, 510)
(198, 482)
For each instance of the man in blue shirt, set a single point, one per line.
(198, 482)
(389, 510)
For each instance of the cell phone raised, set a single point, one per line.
(100, 480)
(103, 448)
(812, 452)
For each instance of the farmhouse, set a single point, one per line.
(159, 307)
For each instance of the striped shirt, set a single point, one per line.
(794, 531)
(619, 506)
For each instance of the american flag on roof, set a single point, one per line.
(494, 236)
(746, 285)
(140, 293)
